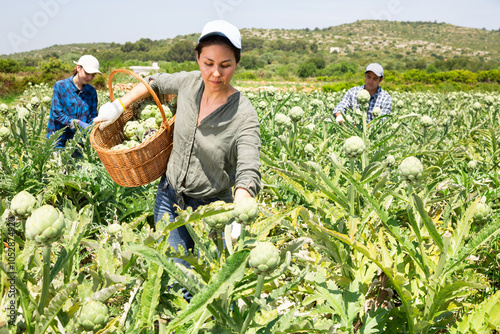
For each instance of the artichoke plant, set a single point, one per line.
(411, 169)
(354, 147)
(264, 258)
(93, 316)
(45, 225)
(23, 204)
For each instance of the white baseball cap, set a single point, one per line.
(89, 63)
(375, 68)
(222, 28)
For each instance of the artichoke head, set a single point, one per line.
(45, 225)
(246, 211)
(23, 204)
(219, 220)
(411, 169)
(471, 165)
(282, 120)
(426, 121)
(296, 114)
(354, 147)
(483, 212)
(93, 316)
(264, 258)
(363, 96)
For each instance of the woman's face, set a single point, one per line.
(217, 66)
(84, 77)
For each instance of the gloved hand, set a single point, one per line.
(108, 113)
(83, 124)
(235, 230)
(339, 119)
(73, 123)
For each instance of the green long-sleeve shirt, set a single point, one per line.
(220, 153)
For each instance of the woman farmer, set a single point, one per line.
(74, 100)
(215, 154)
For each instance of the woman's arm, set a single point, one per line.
(138, 92)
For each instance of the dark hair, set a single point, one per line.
(218, 40)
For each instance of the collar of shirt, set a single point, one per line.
(75, 87)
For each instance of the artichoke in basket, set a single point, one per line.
(148, 112)
(45, 225)
(23, 204)
(411, 169)
(354, 147)
(149, 124)
(246, 211)
(133, 130)
(264, 258)
(93, 316)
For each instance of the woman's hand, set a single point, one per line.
(239, 195)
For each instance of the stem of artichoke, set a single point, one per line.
(364, 156)
(46, 275)
(253, 307)
(220, 244)
(242, 237)
(351, 191)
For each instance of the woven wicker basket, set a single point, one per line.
(141, 164)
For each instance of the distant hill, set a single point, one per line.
(424, 39)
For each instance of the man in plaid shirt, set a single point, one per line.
(374, 74)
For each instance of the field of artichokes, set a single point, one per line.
(385, 227)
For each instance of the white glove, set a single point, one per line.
(235, 230)
(108, 113)
(339, 119)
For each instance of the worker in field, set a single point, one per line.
(74, 101)
(379, 98)
(216, 143)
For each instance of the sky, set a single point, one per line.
(27, 25)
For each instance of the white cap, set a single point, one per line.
(222, 28)
(89, 63)
(375, 68)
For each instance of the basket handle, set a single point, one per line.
(148, 87)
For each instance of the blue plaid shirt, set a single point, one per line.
(380, 99)
(68, 103)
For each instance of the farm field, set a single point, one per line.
(386, 227)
